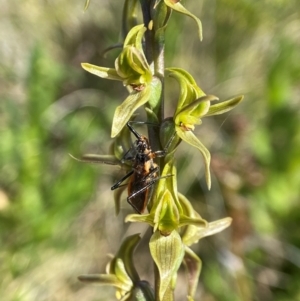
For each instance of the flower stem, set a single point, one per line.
(154, 51)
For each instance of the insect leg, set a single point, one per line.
(140, 190)
(147, 186)
(118, 184)
(132, 130)
(128, 156)
(159, 153)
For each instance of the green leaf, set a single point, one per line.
(167, 253)
(108, 73)
(124, 111)
(181, 9)
(190, 138)
(224, 106)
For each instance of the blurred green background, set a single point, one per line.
(57, 217)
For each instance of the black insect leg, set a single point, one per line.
(141, 190)
(132, 130)
(118, 184)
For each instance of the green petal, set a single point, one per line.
(190, 232)
(215, 227)
(190, 114)
(127, 108)
(193, 266)
(199, 107)
(102, 279)
(151, 93)
(189, 90)
(187, 206)
(108, 73)
(224, 106)
(190, 138)
(145, 218)
(198, 222)
(167, 253)
(135, 36)
(168, 182)
(132, 66)
(181, 9)
(166, 214)
(182, 74)
(121, 272)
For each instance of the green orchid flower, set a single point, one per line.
(176, 226)
(132, 68)
(121, 273)
(194, 104)
(166, 217)
(166, 214)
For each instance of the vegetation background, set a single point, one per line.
(57, 217)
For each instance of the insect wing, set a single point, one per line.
(138, 192)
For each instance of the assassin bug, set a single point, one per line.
(144, 173)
